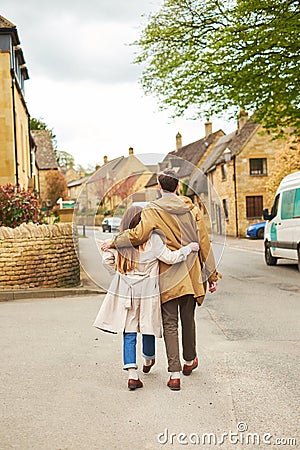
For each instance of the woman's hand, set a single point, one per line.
(194, 246)
(106, 245)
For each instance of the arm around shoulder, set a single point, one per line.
(139, 234)
(166, 255)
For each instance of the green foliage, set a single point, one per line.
(39, 124)
(64, 159)
(18, 206)
(215, 56)
(184, 187)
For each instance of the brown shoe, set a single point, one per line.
(134, 384)
(174, 384)
(187, 370)
(146, 369)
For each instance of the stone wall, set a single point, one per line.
(258, 146)
(43, 256)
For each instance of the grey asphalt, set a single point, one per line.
(62, 385)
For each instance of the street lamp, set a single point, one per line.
(228, 156)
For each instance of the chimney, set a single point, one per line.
(208, 128)
(130, 151)
(97, 167)
(242, 118)
(178, 141)
(105, 159)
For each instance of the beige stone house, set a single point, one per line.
(45, 160)
(75, 188)
(17, 154)
(116, 183)
(237, 171)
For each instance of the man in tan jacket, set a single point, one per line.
(181, 285)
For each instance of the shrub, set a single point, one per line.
(18, 206)
(56, 186)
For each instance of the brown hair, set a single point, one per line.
(127, 260)
(168, 180)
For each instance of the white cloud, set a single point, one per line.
(38, 10)
(92, 120)
(83, 82)
(66, 47)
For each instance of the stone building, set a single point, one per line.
(116, 180)
(74, 190)
(45, 161)
(186, 160)
(16, 147)
(238, 169)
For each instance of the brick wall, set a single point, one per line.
(42, 256)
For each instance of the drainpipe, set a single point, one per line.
(235, 197)
(15, 125)
(30, 155)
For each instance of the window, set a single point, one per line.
(254, 207)
(225, 207)
(223, 171)
(274, 209)
(297, 204)
(258, 166)
(287, 204)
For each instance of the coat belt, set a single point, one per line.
(129, 299)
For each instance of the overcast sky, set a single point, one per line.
(83, 83)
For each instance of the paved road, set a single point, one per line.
(62, 386)
(90, 257)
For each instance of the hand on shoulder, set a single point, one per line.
(106, 245)
(194, 246)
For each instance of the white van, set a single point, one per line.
(282, 231)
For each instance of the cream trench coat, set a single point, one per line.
(137, 293)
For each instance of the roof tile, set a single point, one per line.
(44, 156)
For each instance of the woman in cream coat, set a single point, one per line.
(132, 303)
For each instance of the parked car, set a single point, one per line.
(282, 233)
(111, 224)
(256, 230)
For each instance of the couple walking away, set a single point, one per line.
(163, 261)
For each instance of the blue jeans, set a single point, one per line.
(129, 349)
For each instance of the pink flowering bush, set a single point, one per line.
(18, 206)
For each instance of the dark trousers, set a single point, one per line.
(186, 306)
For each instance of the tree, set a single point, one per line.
(215, 56)
(18, 206)
(63, 158)
(39, 124)
(56, 186)
(287, 161)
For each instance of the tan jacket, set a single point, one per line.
(179, 222)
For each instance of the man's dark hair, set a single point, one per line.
(168, 180)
